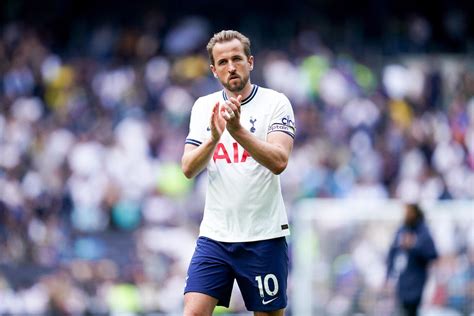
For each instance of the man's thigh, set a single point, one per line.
(262, 274)
(198, 304)
(209, 273)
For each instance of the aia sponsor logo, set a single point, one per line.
(221, 152)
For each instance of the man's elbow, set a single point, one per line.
(279, 167)
(188, 174)
(187, 171)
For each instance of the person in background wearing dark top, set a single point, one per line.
(409, 257)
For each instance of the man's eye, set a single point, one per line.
(222, 62)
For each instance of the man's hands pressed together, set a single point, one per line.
(231, 113)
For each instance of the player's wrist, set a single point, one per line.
(234, 128)
(214, 140)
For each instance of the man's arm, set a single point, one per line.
(391, 256)
(272, 153)
(195, 158)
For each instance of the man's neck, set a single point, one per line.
(245, 92)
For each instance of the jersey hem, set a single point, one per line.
(260, 238)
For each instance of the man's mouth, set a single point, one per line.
(234, 77)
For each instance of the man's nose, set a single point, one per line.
(231, 67)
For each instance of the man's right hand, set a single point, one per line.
(217, 123)
(195, 158)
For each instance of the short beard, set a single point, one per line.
(236, 88)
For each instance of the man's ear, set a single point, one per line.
(251, 62)
(213, 70)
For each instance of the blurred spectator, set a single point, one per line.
(409, 258)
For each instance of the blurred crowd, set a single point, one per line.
(95, 214)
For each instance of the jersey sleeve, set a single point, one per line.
(283, 119)
(197, 125)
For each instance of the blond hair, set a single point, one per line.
(227, 36)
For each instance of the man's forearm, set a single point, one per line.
(195, 160)
(271, 156)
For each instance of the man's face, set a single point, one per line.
(231, 65)
(410, 216)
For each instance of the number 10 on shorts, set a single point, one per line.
(266, 284)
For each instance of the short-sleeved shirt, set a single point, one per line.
(243, 199)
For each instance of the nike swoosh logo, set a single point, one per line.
(269, 301)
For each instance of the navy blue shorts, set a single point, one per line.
(260, 268)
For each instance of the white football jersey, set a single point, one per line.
(243, 199)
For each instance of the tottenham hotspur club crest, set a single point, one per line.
(252, 121)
